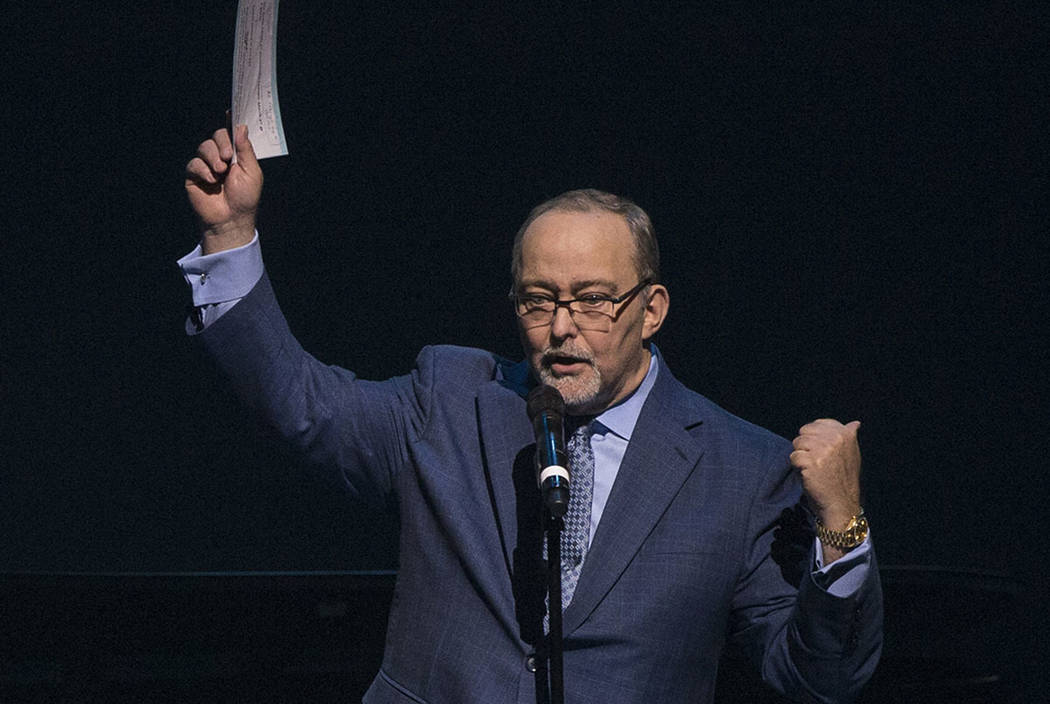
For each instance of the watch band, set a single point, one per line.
(850, 537)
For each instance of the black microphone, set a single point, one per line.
(547, 411)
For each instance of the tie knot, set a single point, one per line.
(576, 425)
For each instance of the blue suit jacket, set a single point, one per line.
(681, 562)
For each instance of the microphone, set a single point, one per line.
(546, 409)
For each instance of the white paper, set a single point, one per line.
(255, 77)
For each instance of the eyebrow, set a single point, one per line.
(577, 286)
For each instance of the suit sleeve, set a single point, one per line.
(809, 644)
(355, 428)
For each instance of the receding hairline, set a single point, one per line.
(646, 255)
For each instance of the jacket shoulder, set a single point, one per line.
(715, 426)
(465, 369)
(467, 362)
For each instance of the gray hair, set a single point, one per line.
(646, 251)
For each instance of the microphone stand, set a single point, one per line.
(553, 526)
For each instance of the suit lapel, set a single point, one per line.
(506, 436)
(660, 457)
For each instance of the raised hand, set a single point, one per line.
(225, 195)
(828, 458)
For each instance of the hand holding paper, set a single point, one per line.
(225, 195)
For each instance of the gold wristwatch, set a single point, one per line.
(848, 538)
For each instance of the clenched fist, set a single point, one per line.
(828, 458)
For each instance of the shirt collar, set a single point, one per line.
(622, 417)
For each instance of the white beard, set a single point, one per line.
(579, 391)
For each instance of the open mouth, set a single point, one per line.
(562, 364)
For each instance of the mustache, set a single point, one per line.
(569, 353)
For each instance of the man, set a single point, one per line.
(677, 549)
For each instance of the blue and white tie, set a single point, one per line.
(577, 532)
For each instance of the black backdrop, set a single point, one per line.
(851, 206)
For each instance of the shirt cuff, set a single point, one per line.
(223, 276)
(844, 576)
(218, 281)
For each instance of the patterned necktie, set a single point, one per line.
(577, 531)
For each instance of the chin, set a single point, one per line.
(581, 393)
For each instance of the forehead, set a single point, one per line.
(565, 247)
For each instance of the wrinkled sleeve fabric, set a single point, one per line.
(357, 429)
(811, 642)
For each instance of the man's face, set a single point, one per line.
(568, 254)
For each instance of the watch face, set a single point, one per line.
(860, 530)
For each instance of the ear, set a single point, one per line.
(655, 310)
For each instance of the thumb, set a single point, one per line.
(245, 152)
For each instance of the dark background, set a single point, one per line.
(851, 204)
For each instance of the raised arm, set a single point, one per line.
(355, 430)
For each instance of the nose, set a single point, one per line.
(563, 325)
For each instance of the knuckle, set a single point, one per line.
(197, 169)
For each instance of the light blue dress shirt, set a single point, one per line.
(219, 280)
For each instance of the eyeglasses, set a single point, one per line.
(593, 311)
